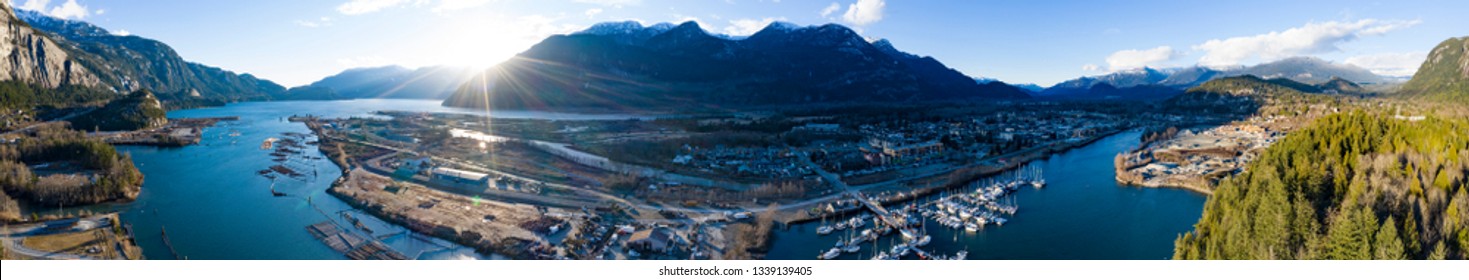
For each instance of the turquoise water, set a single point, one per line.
(1081, 214)
(213, 206)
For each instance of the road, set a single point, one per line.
(14, 235)
(62, 118)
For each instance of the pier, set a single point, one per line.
(889, 221)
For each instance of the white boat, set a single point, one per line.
(841, 226)
(962, 255)
(824, 230)
(923, 241)
(831, 254)
(971, 227)
(851, 248)
(999, 221)
(881, 256)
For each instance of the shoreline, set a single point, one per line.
(1194, 185)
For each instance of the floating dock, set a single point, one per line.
(353, 246)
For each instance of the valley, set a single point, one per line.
(627, 140)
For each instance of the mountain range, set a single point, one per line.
(398, 82)
(1153, 83)
(664, 65)
(129, 63)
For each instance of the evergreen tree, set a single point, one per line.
(1388, 246)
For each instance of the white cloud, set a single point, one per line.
(1390, 64)
(1313, 38)
(864, 12)
(322, 22)
(357, 7)
(35, 5)
(612, 3)
(745, 27)
(593, 12)
(834, 7)
(1091, 68)
(121, 32)
(1131, 59)
(69, 10)
(100, 12)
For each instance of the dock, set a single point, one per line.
(352, 245)
(888, 220)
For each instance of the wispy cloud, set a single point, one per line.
(593, 12)
(864, 12)
(1313, 38)
(454, 5)
(1132, 59)
(745, 27)
(612, 3)
(358, 7)
(321, 22)
(833, 8)
(1390, 64)
(35, 5)
(1091, 68)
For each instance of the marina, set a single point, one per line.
(1080, 214)
(968, 210)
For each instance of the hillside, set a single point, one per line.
(686, 68)
(138, 110)
(1241, 96)
(1351, 186)
(1444, 76)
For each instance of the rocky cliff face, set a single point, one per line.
(33, 57)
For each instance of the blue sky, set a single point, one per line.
(1044, 42)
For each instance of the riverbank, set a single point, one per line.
(485, 225)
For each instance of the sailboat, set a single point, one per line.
(823, 229)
